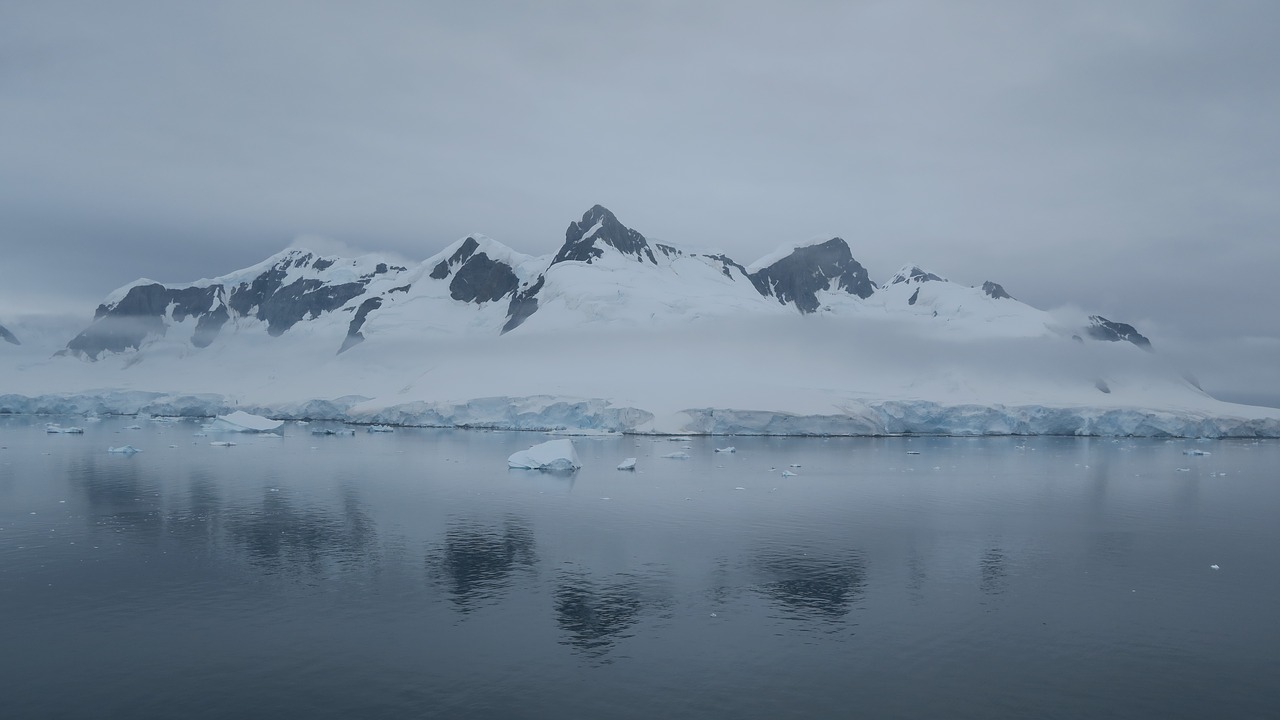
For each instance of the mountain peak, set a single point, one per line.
(584, 240)
(913, 274)
(797, 276)
(995, 291)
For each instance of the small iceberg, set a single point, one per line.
(788, 473)
(222, 443)
(55, 428)
(677, 456)
(1195, 452)
(241, 421)
(627, 464)
(327, 431)
(729, 449)
(380, 429)
(554, 455)
(124, 450)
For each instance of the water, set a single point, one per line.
(413, 575)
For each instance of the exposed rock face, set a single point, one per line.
(1103, 329)
(914, 274)
(147, 310)
(8, 336)
(523, 304)
(354, 336)
(798, 277)
(477, 278)
(598, 227)
(994, 291)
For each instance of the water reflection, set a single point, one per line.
(994, 579)
(282, 534)
(594, 615)
(477, 561)
(119, 498)
(813, 587)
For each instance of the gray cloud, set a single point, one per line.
(1123, 157)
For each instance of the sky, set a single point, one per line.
(1122, 157)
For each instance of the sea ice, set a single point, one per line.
(677, 456)
(627, 464)
(788, 473)
(222, 443)
(380, 429)
(727, 449)
(124, 450)
(1195, 452)
(241, 421)
(555, 455)
(55, 428)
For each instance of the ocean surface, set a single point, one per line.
(412, 575)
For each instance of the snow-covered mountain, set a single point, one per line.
(614, 331)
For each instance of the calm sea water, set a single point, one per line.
(413, 575)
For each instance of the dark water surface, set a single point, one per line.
(413, 575)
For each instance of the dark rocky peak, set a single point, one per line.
(1101, 328)
(8, 336)
(585, 240)
(524, 302)
(477, 277)
(995, 291)
(797, 277)
(141, 313)
(913, 274)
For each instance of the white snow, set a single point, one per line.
(241, 421)
(554, 455)
(627, 464)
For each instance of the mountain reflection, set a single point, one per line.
(594, 616)
(477, 561)
(279, 533)
(813, 587)
(119, 498)
(994, 574)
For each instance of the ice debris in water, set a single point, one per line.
(1193, 451)
(788, 473)
(1214, 567)
(241, 421)
(56, 428)
(327, 431)
(677, 456)
(132, 427)
(551, 455)
(627, 464)
(380, 429)
(222, 443)
(124, 450)
(727, 449)
(913, 452)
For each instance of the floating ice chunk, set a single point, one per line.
(913, 452)
(1193, 451)
(1184, 469)
(555, 455)
(380, 429)
(677, 456)
(327, 431)
(788, 473)
(241, 421)
(627, 464)
(55, 428)
(124, 450)
(794, 465)
(727, 449)
(222, 443)
(1214, 567)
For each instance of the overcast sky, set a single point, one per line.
(1123, 157)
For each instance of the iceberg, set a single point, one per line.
(677, 456)
(55, 428)
(729, 449)
(554, 455)
(240, 421)
(627, 464)
(124, 450)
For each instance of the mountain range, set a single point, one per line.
(615, 332)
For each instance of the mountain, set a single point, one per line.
(615, 331)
